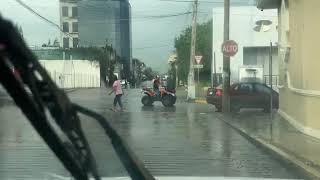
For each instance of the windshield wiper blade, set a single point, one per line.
(75, 154)
(132, 164)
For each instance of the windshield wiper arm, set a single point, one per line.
(132, 164)
(75, 154)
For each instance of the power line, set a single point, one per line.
(42, 17)
(37, 14)
(210, 2)
(151, 47)
(47, 20)
(102, 22)
(189, 1)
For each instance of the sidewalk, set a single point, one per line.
(182, 94)
(279, 137)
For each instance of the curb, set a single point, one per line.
(278, 153)
(197, 101)
(69, 90)
(201, 101)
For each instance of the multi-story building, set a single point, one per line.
(104, 22)
(69, 23)
(299, 62)
(95, 23)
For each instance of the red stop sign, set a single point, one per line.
(229, 48)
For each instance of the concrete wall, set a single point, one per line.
(242, 21)
(299, 65)
(73, 73)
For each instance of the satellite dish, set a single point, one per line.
(264, 22)
(263, 26)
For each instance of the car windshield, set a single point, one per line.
(198, 89)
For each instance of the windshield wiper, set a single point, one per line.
(35, 93)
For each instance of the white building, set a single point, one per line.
(253, 46)
(69, 23)
(73, 73)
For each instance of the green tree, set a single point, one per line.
(203, 47)
(171, 83)
(149, 73)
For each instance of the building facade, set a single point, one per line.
(69, 38)
(253, 48)
(299, 63)
(95, 23)
(104, 22)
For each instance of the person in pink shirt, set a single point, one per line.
(117, 89)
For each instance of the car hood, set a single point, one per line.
(57, 177)
(195, 178)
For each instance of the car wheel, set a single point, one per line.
(174, 100)
(147, 100)
(218, 109)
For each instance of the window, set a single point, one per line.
(65, 27)
(66, 42)
(235, 87)
(75, 42)
(65, 11)
(250, 55)
(245, 88)
(262, 89)
(74, 12)
(75, 27)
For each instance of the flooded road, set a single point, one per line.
(185, 140)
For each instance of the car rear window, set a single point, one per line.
(246, 88)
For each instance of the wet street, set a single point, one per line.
(184, 140)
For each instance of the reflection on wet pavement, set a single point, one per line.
(280, 133)
(184, 140)
(23, 154)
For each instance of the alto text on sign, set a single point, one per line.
(229, 48)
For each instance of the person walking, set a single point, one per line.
(117, 90)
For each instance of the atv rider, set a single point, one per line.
(156, 85)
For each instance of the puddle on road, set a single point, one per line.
(158, 109)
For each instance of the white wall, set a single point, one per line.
(242, 22)
(73, 73)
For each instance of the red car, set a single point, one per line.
(244, 95)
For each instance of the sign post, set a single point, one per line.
(229, 48)
(198, 66)
(198, 61)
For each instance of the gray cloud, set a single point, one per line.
(152, 39)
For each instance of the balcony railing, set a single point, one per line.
(275, 80)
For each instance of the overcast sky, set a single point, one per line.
(152, 39)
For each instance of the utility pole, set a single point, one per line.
(191, 83)
(215, 70)
(177, 80)
(270, 80)
(226, 60)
